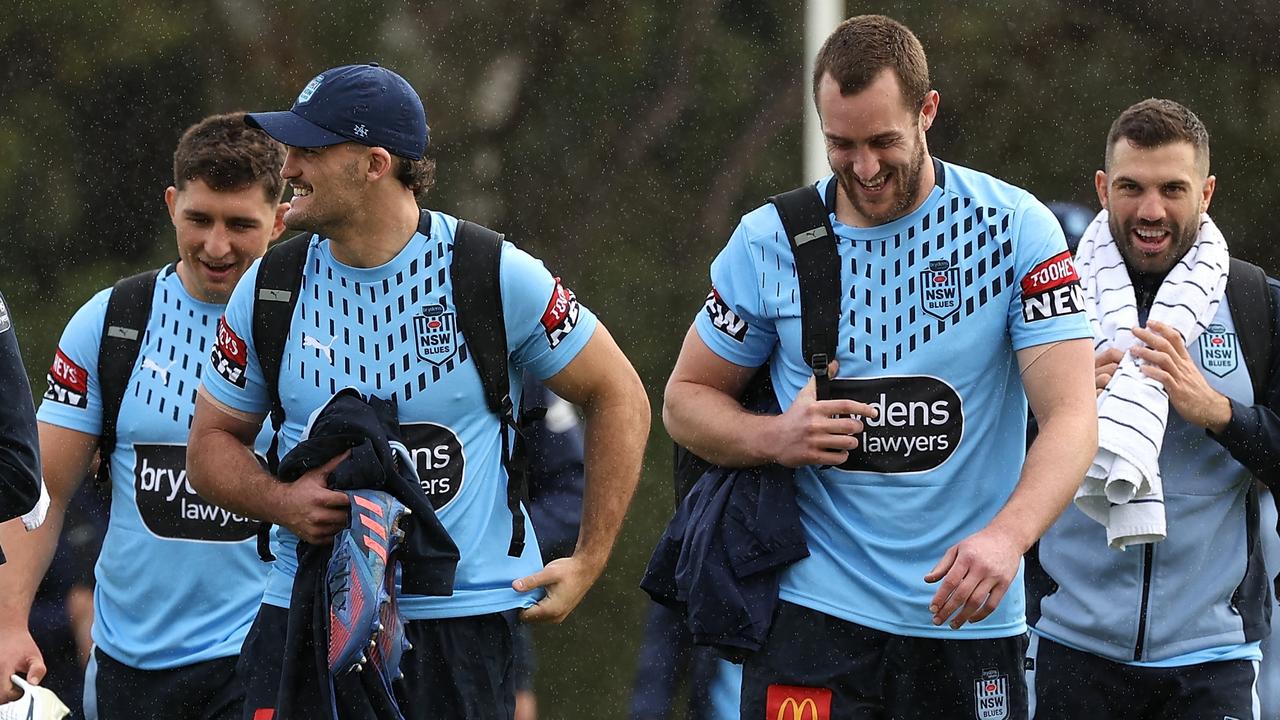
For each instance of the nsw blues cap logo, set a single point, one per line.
(309, 90)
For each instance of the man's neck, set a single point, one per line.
(376, 234)
(1145, 287)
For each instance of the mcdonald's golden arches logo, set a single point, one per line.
(791, 702)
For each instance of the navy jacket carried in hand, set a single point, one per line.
(720, 556)
(427, 556)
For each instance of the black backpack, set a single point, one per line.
(808, 226)
(478, 299)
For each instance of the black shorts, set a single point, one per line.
(209, 690)
(1069, 684)
(458, 667)
(815, 666)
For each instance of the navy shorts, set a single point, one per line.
(1069, 683)
(819, 667)
(459, 668)
(209, 690)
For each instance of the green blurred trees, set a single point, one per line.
(619, 141)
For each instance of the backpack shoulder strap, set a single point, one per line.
(477, 296)
(476, 286)
(1252, 311)
(123, 328)
(813, 244)
(275, 295)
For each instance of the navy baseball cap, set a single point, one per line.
(366, 104)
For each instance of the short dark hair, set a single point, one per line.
(1155, 122)
(864, 45)
(417, 175)
(227, 154)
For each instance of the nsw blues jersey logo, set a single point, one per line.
(437, 338)
(940, 289)
(5, 322)
(1218, 350)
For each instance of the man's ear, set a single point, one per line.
(1210, 183)
(1100, 184)
(380, 164)
(171, 201)
(277, 227)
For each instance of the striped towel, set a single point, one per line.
(1122, 487)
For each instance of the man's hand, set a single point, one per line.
(817, 432)
(975, 574)
(311, 510)
(18, 655)
(566, 581)
(1167, 361)
(1105, 365)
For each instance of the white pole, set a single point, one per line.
(820, 18)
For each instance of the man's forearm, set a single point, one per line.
(617, 428)
(1055, 466)
(715, 426)
(29, 555)
(227, 473)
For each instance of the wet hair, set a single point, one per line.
(863, 46)
(227, 154)
(417, 175)
(1156, 122)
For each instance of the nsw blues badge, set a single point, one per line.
(991, 693)
(940, 289)
(437, 334)
(1219, 352)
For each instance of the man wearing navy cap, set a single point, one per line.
(377, 271)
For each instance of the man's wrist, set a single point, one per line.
(1219, 416)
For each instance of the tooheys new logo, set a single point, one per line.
(230, 356)
(1052, 289)
(919, 423)
(68, 382)
(724, 319)
(437, 455)
(561, 315)
(170, 507)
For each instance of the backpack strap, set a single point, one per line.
(1252, 310)
(123, 328)
(274, 297)
(275, 293)
(813, 244)
(477, 296)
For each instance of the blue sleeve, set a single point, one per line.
(19, 447)
(1047, 304)
(1253, 435)
(732, 321)
(546, 325)
(73, 398)
(232, 375)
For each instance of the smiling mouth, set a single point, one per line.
(217, 268)
(1151, 240)
(875, 185)
(301, 191)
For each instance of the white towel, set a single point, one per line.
(34, 517)
(36, 703)
(1122, 487)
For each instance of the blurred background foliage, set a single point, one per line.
(619, 141)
